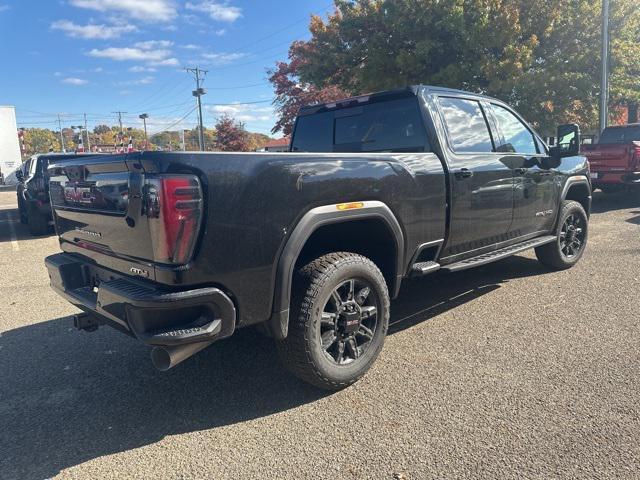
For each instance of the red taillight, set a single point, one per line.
(635, 159)
(174, 208)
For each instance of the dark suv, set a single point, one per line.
(33, 191)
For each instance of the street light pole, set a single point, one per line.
(604, 80)
(144, 117)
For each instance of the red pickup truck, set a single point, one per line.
(615, 159)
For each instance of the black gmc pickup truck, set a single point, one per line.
(180, 249)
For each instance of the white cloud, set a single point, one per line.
(222, 12)
(220, 32)
(221, 58)
(140, 69)
(75, 81)
(244, 112)
(147, 10)
(130, 53)
(151, 44)
(5, 7)
(191, 46)
(140, 81)
(93, 31)
(167, 62)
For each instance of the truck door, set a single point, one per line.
(481, 183)
(535, 190)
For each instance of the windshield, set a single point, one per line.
(620, 135)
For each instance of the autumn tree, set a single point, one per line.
(292, 92)
(231, 136)
(40, 140)
(542, 56)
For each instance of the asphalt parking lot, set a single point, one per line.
(508, 371)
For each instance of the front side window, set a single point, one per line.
(466, 126)
(516, 137)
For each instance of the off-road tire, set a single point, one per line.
(301, 351)
(551, 254)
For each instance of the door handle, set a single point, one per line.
(521, 171)
(464, 173)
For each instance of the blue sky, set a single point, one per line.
(100, 56)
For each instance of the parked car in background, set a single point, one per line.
(33, 191)
(615, 159)
(179, 249)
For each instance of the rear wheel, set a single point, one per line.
(38, 224)
(569, 246)
(340, 317)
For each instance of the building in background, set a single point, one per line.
(278, 145)
(10, 158)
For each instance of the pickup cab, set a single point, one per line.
(180, 249)
(615, 159)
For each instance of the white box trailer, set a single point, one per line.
(10, 158)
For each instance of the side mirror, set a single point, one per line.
(568, 143)
(19, 175)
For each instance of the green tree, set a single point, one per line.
(542, 56)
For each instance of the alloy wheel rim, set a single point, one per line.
(349, 321)
(572, 235)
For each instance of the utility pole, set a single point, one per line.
(604, 81)
(198, 92)
(182, 138)
(87, 130)
(119, 119)
(64, 150)
(144, 117)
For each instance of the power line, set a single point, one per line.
(174, 123)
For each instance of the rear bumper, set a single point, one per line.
(151, 313)
(613, 178)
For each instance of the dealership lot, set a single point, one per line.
(505, 371)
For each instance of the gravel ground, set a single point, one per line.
(508, 371)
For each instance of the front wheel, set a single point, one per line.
(340, 317)
(573, 231)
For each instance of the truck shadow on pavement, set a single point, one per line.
(67, 397)
(12, 229)
(607, 202)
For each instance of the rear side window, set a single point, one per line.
(514, 135)
(466, 126)
(620, 135)
(390, 126)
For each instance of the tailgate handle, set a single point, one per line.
(135, 198)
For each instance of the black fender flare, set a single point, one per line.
(576, 180)
(309, 223)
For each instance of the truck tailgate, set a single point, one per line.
(610, 157)
(93, 209)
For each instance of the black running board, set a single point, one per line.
(498, 254)
(424, 268)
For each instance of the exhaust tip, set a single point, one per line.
(161, 359)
